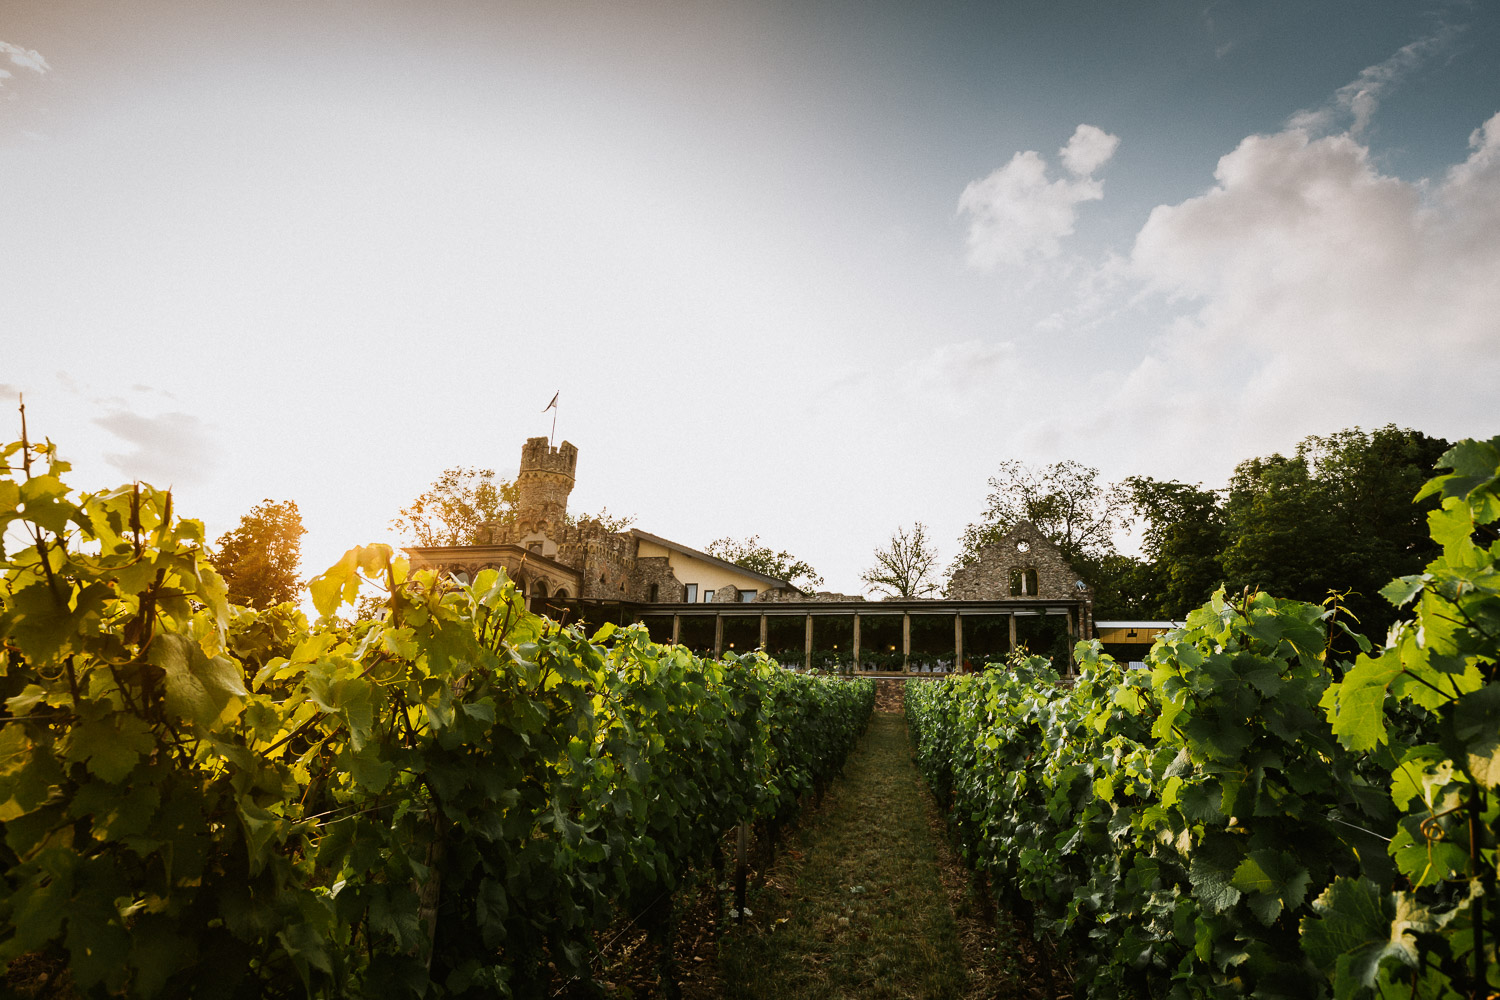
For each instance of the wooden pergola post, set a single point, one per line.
(906, 642)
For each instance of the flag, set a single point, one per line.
(552, 405)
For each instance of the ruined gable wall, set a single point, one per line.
(988, 577)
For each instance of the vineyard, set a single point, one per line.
(1248, 816)
(453, 798)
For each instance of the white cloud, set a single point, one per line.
(169, 449)
(24, 58)
(1314, 292)
(1088, 150)
(1358, 100)
(1018, 214)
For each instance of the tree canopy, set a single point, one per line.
(1065, 500)
(904, 567)
(758, 558)
(1183, 536)
(1335, 516)
(258, 559)
(452, 509)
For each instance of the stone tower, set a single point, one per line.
(544, 482)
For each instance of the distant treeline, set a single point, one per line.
(1335, 516)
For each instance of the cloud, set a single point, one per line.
(1308, 291)
(1358, 100)
(1017, 214)
(1088, 150)
(169, 449)
(24, 58)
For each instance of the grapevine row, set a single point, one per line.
(1246, 817)
(451, 799)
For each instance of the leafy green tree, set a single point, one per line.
(1368, 481)
(258, 560)
(754, 556)
(904, 568)
(1065, 500)
(1337, 517)
(1124, 587)
(1079, 514)
(452, 510)
(1280, 530)
(1183, 539)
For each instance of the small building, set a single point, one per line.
(1129, 641)
(1018, 592)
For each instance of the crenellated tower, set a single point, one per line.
(544, 482)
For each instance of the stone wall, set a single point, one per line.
(988, 578)
(544, 482)
(657, 570)
(778, 596)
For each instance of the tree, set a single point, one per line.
(762, 559)
(452, 509)
(904, 568)
(1065, 500)
(1124, 587)
(258, 560)
(1338, 516)
(1183, 540)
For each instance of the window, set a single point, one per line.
(535, 547)
(1022, 582)
(708, 596)
(655, 591)
(691, 594)
(747, 597)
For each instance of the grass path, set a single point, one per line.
(856, 906)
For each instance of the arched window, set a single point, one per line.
(539, 589)
(561, 595)
(461, 576)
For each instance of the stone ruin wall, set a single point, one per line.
(605, 558)
(782, 596)
(988, 577)
(657, 570)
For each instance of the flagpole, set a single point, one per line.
(553, 407)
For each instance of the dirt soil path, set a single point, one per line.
(866, 900)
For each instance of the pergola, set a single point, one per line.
(873, 638)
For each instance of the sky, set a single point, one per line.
(807, 270)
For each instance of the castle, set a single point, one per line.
(555, 557)
(1020, 589)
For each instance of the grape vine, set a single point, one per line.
(1247, 817)
(451, 799)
